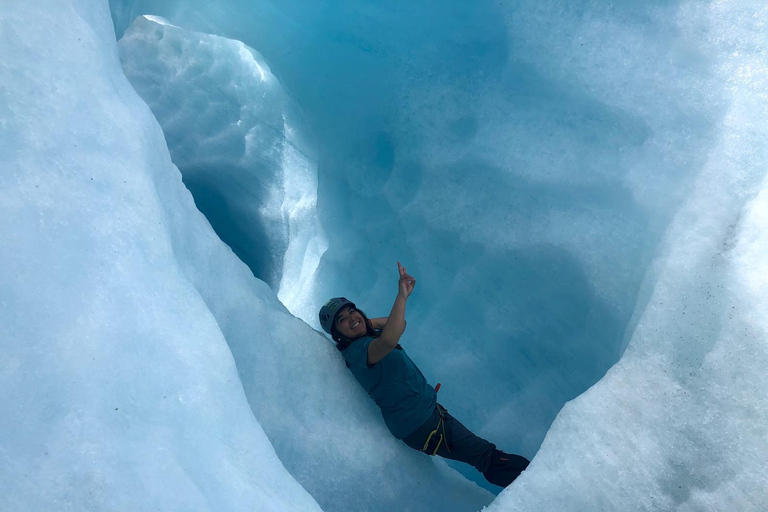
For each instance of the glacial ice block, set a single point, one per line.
(681, 422)
(527, 245)
(523, 158)
(122, 310)
(240, 143)
(663, 102)
(119, 390)
(298, 389)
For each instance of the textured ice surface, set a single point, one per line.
(681, 422)
(323, 427)
(565, 179)
(122, 310)
(443, 148)
(243, 151)
(523, 158)
(119, 391)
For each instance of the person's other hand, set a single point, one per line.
(406, 283)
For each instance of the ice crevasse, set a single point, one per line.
(606, 163)
(123, 311)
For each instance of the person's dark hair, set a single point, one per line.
(342, 342)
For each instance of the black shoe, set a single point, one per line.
(504, 468)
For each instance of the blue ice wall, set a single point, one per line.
(143, 366)
(547, 171)
(240, 143)
(522, 159)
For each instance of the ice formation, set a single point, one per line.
(578, 187)
(119, 301)
(243, 153)
(119, 392)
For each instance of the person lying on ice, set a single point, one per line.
(372, 352)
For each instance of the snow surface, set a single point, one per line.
(570, 183)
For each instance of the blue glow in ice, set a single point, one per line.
(578, 187)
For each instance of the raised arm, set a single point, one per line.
(395, 323)
(380, 322)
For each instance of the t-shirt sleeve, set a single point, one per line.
(357, 353)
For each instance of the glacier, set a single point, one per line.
(122, 311)
(246, 156)
(579, 188)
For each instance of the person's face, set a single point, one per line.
(350, 323)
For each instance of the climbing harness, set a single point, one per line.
(435, 438)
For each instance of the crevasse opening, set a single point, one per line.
(511, 185)
(578, 188)
(525, 160)
(522, 324)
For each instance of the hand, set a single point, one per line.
(406, 283)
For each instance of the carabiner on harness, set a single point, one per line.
(435, 438)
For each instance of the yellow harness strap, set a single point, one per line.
(443, 436)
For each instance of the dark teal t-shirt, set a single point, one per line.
(396, 385)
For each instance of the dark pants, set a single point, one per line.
(460, 444)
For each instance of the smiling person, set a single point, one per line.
(408, 403)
